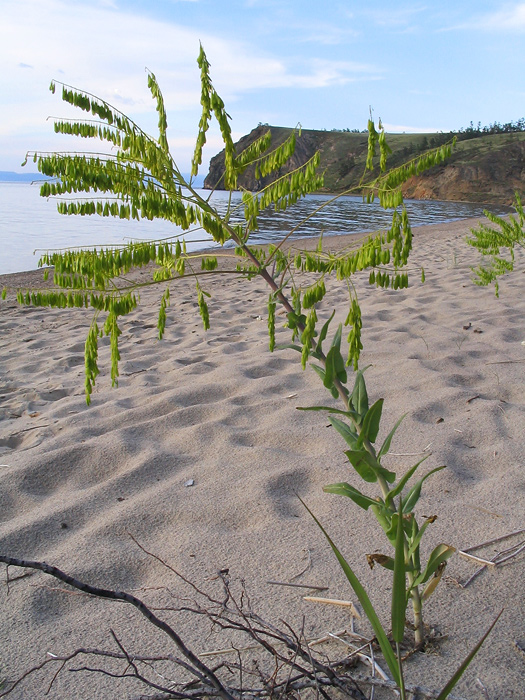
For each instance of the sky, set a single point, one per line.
(419, 66)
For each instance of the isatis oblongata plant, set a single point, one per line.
(139, 179)
(497, 244)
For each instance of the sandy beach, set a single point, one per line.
(217, 410)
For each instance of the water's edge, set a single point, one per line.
(29, 222)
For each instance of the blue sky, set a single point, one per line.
(420, 66)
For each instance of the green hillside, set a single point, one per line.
(487, 168)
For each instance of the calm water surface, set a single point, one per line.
(29, 222)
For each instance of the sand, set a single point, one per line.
(218, 410)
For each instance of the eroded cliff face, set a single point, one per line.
(305, 148)
(484, 170)
(492, 176)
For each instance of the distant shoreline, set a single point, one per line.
(9, 176)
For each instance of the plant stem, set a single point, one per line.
(418, 614)
(401, 679)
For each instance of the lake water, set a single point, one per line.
(29, 222)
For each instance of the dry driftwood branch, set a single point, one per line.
(198, 667)
(285, 665)
(302, 669)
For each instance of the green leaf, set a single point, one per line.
(366, 604)
(402, 482)
(418, 534)
(295, 320)
(351, 438)
(344, 489)
(386, 445)
(399, 597)
(383, 515)
(335, 364)
(323, 333)
(359, 395)
(329, 409)
(289, 346)
(439, 555)
(360, 460)
(413, 495)
(320, 371)
(370, 427)
(462, 668)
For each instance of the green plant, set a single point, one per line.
(142, 180)
(498, 243)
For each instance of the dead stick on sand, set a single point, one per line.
(511, 552)
(418, 690)
(497, 539)
(481, 685)
(26, 430)
(520, 648)
(475, 574)
(338, 635)
(505, 362)
(297, 585)
(519, 549)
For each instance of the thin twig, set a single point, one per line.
(483, 689)
(297, 585)
(409, 454)
(515, 549)
(497, 539)
(26, 430)
(505, 362)
(418, 690)
(339, 635)
(309, 564)
(520, 548)
(474, 575)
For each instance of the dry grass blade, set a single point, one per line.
(329, 601)
(485, 562)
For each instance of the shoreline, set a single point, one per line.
(306, 242)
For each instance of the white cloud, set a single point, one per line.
(510, 19)
(325, 33)
(100, 48)
(397, 18)
(104, 50)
